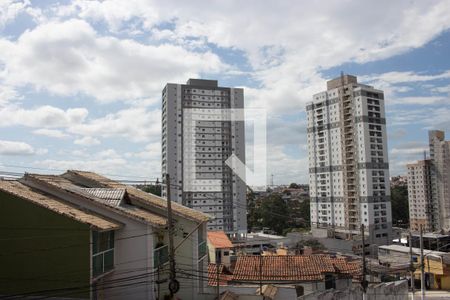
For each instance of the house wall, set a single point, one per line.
(133, 250)
(133, 254)
(41, 250)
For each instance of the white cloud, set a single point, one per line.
(55, 133)
(87, 141)
(16, 148)
(420, 100)
(70, 58)
(136, 124)
(285, 53)
(44, 116)
(10, 9)
(107, 162)
(405, 77)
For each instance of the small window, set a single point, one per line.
(102, 252)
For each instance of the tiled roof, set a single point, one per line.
(219, 239)
(131, 211)
(224, 275)
(24, 192)
(292, 267)
(140, 196)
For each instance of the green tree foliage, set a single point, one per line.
(252, 211)
(305, 212)
(400, 206)
(154, 189)
(294, 186)
(274, 213)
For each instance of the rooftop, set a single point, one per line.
(293, 267)
(58, 206)
(64, 185)
(136, 195)
(219, 239)
(224, 275)
(405, 249)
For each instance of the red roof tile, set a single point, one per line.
(219, 239)
(224, 275)
(292, 267)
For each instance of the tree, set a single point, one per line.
(294, 186)
(274, 213)
(305, 211)
(400, 206)
(154, 189)
(253, 215)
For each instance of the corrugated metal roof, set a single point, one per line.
(110, 196)
(58, 206)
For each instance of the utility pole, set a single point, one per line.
(411, 265)
(422, 265)
(217, 275)
(260, 273)
(364, 281)
(174, 285)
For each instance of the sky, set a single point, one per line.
(81, 81)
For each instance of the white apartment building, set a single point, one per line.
(197, 139)
(420, 196)
(348, 161)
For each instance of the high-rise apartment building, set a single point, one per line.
(420, 196)
(429, 186)
(197, 138)
(348, 162)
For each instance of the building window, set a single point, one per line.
(102, 252)
(160, 255)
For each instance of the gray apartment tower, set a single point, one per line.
(348, 162)
(429, 186)
(197, 138)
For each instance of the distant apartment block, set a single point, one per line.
(420, 196)
(195, 145)
(440, 178)
(428, 186)
(348, 162)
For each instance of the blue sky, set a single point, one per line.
(80, 81)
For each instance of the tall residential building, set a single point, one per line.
(428, 186)
(197, 139)
(348, 162)
(420, 196)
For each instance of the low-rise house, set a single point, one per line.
(307, 273)
(219, 246)
(436, 264)
(82, 235)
